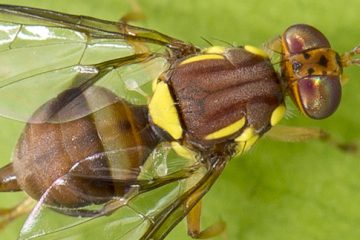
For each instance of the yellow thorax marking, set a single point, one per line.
(202, 57)
(245, 146)
(214, 49)
(256, 51)
(182, 151)
(277, 114)
(246, 135)
(163, 112)
(154, 84)
(226, 131)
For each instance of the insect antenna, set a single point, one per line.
(207, 41)
(218, 40)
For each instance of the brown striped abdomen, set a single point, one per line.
(83, 155)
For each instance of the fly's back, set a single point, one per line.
(219, 96)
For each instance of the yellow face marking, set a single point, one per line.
(246, 135)
(245, 146)
(277, 114)
(321, 61)
(182, 151)
(256, 51)
(226, 131)
(202, 57)
(163, 112)
(214, 49)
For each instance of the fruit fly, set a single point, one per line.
(126, 129)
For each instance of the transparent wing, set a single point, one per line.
(44, 53)
(93, 27)
(152, 206)
(197, 187)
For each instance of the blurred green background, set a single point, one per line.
(279, 190)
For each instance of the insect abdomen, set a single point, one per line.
(83, 156)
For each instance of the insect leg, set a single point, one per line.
(348, 58)
(193, 218)
(10, 214)
(135, 14)
(193, 223)
(8, 182)
(299, 134)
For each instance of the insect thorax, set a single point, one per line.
(219, 96)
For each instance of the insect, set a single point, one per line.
(126, 129)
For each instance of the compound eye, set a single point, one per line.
(301, 37)
(319, 96)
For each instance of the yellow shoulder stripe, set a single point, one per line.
(226, 131)
(182, 151)
(246, 135)
(277, 114)
(214, 49)
(163, 112)
(245, 146)
(202, 57)
(256, 51)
